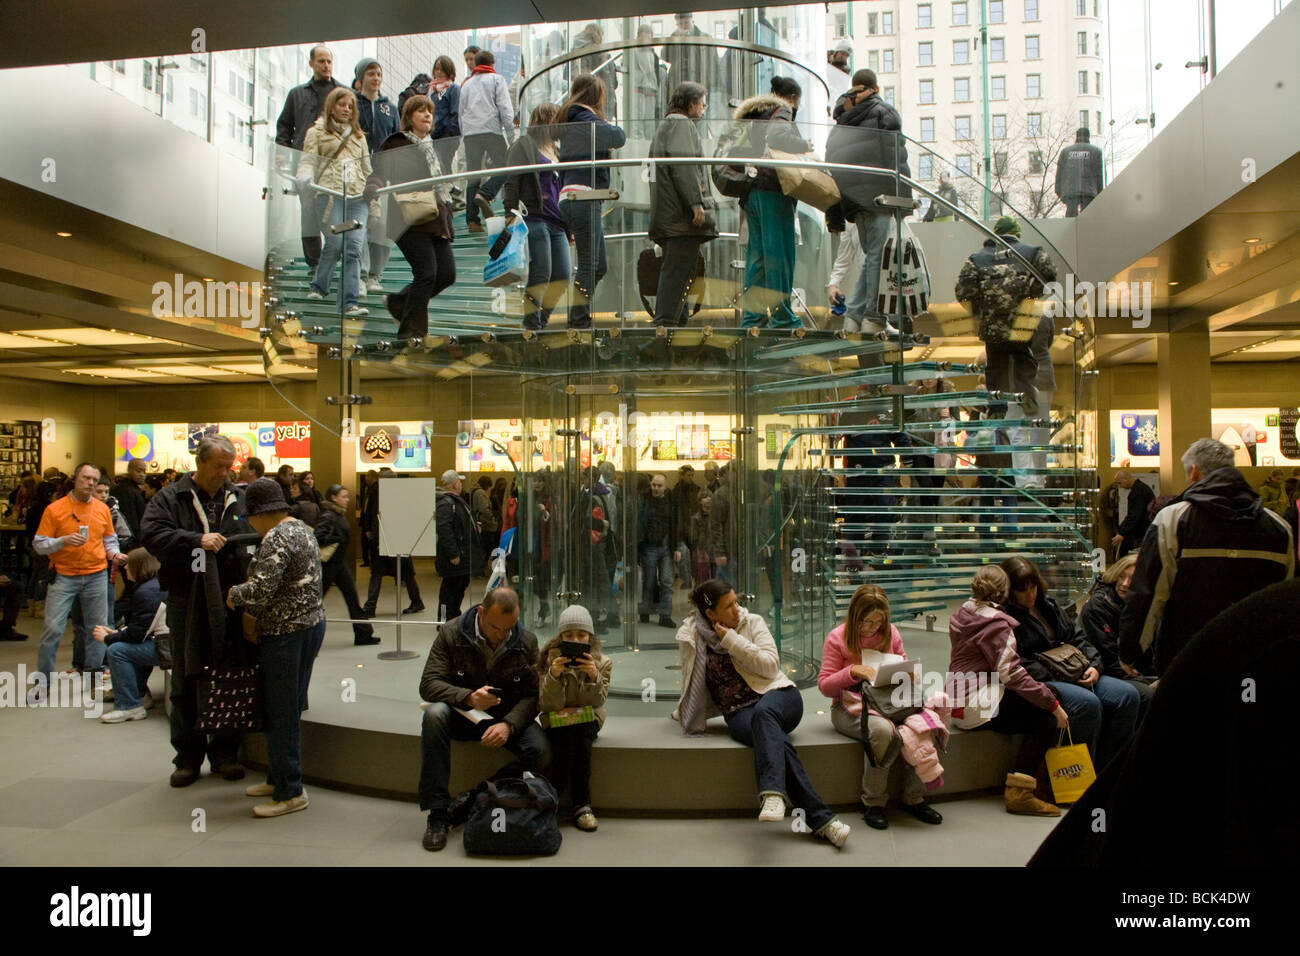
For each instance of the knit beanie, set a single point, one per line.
(575, 617)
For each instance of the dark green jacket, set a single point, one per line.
(678, 187)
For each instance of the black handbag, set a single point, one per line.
(648, 267)
(514, 817)
(230, 699)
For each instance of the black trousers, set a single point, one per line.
(190, 744)
(675, 276)
(571, 761)
(1017, 716)
(385, 566)
(433, 268)
(338, 573)
(450, 593)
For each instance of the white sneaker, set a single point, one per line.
(147, 701)
(835, 833)
(119, 716)
(278, 808)
(259, 790)
(374, 285)
(355, 311)
(850, 325)
(773, 810)
(313, 294)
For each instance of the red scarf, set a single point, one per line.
(477, 70)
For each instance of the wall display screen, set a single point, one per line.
(1260, 437)
(401, 446)
(163, 445)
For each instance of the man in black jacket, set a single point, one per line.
(1137, 517)
(187, 527)
(483, 660)
(130, 496)
(302, 107)
(868, 132)
(1079, 174)
(458, 544)
(1214, 545)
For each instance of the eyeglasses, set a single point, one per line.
(871, 624)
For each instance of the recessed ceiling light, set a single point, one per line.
(1252, 240)
(1173, 283)
(63, 235)
(207, 278)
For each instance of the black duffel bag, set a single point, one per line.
(514, 817)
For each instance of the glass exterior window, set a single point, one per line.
(1081, 41)
(999, 124)
(1034, 124)
(1083, 119)
(1031, 48)
(961, 89)
(1035, 162)
(997, 49)
(960, 51)
(887, 24)
(927, 129)
(1033, 85)
(873, 23)
(1081, 8)
(873, 60)
(999, 164)
(997, 87)
(960, 14)
(996, 12)
(925, 54)
(964, 161)
(1031, 10)
(925, 166)
(961, 127)
(887, 61)
(888, 95)
(926, 92)
(923, 12)
(1083, 81)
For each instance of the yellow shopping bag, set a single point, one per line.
(1070, 770)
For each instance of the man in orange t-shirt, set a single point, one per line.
(76, 532)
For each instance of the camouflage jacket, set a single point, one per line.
(995, 282)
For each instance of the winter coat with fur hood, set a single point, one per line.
(775, 130)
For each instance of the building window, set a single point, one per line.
(926, 94)
(1097, 89)
(841, 24)
(999, 126)
(960, 15)
(997, 87)
(927, 129)
(887, 62)
(1031, 9)
(230, 124)
(1036, 200)
(1081, 39)
(1034, 124)
(925, 166)
(888, 95)
(887, 24)
(963, 163)
(961, 126)
(1098, 126)
(873, 23)
(999, 164)
(1096, 44)
(1031, 48)
(996, 14)
(925, 54)
(961, 89)
(961, 51)
(656, 29)
(194, 102)
(147, 76)
(997, 49)
(1096, 7)
(1083, 81)
(1035, 162)
(873, 61)
(923, 15)
(1083, 119)
(171, 90)
(719, 30)
(1081, 8)
(1033, 86)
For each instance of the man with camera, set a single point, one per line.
(481, 685)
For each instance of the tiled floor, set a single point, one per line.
(77, 792)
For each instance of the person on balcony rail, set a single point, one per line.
(682, 208)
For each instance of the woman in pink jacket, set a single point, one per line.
(990, 688)
(867, 628)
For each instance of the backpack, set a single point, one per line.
(735, 181)
(1003, 282)
(514, 817)
(419, 87)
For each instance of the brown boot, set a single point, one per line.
(1019, 797)
(38, 610)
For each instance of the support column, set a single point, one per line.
(1183, 380)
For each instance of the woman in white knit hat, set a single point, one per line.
(572, 687)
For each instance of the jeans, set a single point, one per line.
(286, 671)
(483, 150)
(1011, 368)
(433, 269)
(549, 271)
(88, 653)
(310, 221)
(657, 577)
(766, 727)
(440, 726)
(131, 664)
(349, 244)
(339, 573)
(583, 217)
(87, 590)
(192, 745)
(769, 259)
(1103, 717)
(875, 776)
(862, 303)
(1036, 436)
(675, 277)
(571, 761)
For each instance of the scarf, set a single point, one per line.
(439, 87)
(426, 148)
(482, 69)
(695, 695)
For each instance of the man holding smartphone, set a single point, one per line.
(482, 661)
(76, 533)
